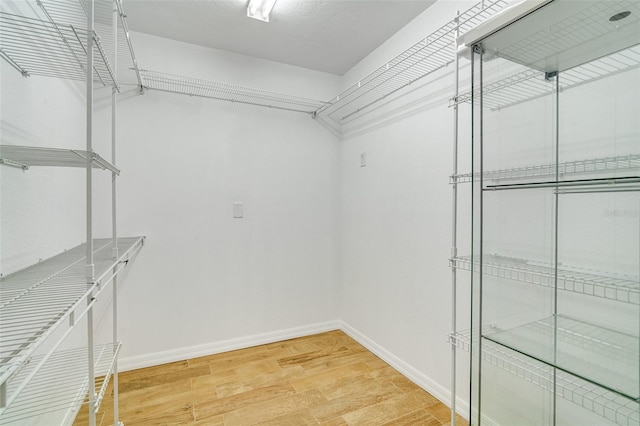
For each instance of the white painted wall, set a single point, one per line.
(395, 215)
(204, 277)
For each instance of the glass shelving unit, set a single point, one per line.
(553, 257)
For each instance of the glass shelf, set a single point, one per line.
(599, 355)
(524, 86)
(619, 287)
(558, 35)
(595, 399)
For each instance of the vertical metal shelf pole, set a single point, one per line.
(471, 311)
(114, 250)
(556, 138)
(89, 255)
(481, 231)
(477, 169)
(454, 230)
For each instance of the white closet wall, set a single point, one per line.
(206, 278)
(40, 112)
(395, 217)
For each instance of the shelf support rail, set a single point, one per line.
(16, 164)
(13, 63)
(125, 28)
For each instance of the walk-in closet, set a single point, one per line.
(320, 212)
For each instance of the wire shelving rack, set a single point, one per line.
(226, 92)
(74, 13)
(618, 287)
(55, 46)
(36, 47)
(602, 402)
(24, 157)
(35, 301)
(586, 166)
(62, 382)
(84, 41)
(434, 52)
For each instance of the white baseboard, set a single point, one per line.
(429, 385)
(420, 379)
(158, 358)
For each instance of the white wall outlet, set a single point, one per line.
(238, 210)
(363, 159)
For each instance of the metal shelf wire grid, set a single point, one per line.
(531, 84)
(62, 383)
(36, 47)
(36, 300)
(622, 288)
(27, 156)
(430, 54)
(588, 166)
(226, 92)
(595, 399)
(73, 12)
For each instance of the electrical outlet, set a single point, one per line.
(238, 210)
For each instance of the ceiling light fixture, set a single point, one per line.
(260, 9)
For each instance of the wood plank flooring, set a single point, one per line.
(326, 379)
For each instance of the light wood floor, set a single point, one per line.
(325, 379)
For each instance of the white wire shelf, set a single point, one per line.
(599, 355)
(62, 383)
(587, 166)
(73, 12)
(226, 92)
(618, 287)
(26, 156)
(531, 84)
(430, 54)
(36, 300)
(36, 47)
(593, 398)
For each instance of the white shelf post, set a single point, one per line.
(89, 252)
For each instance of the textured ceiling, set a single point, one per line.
(324, 35)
